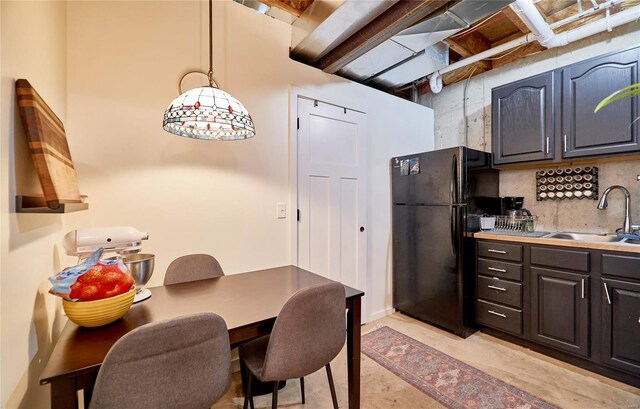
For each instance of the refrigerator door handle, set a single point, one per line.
(454, 180)
(453, 219)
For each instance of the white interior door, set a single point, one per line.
(332, 192)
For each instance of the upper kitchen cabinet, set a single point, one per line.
(584, 85)
(523, 120)
(549, 117)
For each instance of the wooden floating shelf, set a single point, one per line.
(36, 204)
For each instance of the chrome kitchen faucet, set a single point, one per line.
(628, 228)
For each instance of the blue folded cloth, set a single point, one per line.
(632, 236)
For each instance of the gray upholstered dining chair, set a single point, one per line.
(309, 332)
(178, 363)
(192, 267)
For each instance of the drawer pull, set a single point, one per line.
(496, 251)
(499, 270)
(497, 288)
(497, 313)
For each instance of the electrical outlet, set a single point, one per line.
(281, 210)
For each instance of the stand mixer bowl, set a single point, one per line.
(141, 268)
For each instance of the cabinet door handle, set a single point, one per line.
(565, 142)
(582, 287)
(497, 313)
(606, 291)
(547, 145)
(499, 270)
(496, 251)
(497, 288)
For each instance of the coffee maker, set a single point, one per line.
(513, 207)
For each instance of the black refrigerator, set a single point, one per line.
(437, 199)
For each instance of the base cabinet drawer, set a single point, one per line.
(500, 251)
(621, 265)
(500, 291)
(499, 317)
(560, 258)
(500, 269)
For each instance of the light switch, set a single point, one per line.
(281, 210)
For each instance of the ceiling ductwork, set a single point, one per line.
(402, 57)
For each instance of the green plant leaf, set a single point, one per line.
(626, 92)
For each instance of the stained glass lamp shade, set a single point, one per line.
(208, 113)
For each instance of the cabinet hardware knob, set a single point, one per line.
(361, 228)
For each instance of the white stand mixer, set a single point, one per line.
(125, 241)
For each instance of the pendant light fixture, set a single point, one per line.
(208, 113)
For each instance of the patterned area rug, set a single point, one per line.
(452, 383)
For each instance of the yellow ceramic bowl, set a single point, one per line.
(99, 312)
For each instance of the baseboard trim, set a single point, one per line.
(381, 314)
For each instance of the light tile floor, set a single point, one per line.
(559, 383)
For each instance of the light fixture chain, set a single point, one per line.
(210, 74)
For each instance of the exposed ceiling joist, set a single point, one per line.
(471, 44)
(522, 52)
(515, 19)
(400, 16)
(294, 7)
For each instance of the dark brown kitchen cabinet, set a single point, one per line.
(621, 324)
(584, 85)
(560, 310)
(523, 120)
(580, 305)
(549, 118)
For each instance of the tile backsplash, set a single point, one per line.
(579, 215)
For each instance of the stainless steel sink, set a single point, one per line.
(632, 241)
(603, 238)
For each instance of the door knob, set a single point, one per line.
(361, 228)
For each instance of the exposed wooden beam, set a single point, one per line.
(398, 17)
(522, 52)
(295, 7)
(507, 39)
(471, 44)
(515, 19)
(461, 74)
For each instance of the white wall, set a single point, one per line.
(123, 61)
(573, 215)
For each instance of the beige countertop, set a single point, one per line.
(630, 248)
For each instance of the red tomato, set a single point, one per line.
(101, 281)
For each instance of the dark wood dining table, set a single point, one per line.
(248, 302)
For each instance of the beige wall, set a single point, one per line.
(33, 47)
(122, 64)
(580, 215)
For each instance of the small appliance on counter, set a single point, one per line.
(125, 241)
(513, 206)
